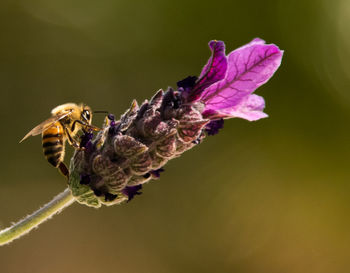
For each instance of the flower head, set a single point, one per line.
(131, 151)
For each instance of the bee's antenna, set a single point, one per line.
(98, 112)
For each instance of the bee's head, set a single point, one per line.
(86, 114)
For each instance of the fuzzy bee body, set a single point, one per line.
(53, 140)
(66, 121)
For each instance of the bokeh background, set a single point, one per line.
(267, 196)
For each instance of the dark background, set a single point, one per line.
(267, 196)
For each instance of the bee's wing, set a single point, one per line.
(44, 125)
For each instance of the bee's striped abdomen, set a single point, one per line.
(53, 144)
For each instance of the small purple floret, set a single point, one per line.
(213, 127)
(113, 129)
(86, 139)
(187, 84)
(132, 191)
(111, 117)
(156, 173)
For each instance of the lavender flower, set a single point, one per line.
(129, 152)
(130, 192)
(213, 127)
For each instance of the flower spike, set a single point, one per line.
(111, 167)
(131, 151)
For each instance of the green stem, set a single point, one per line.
(22, 227)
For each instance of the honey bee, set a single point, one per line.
(66, 121)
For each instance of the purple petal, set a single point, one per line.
(249, 67)
(156, 173)
(250, 108)
(213, 71)
(213, 127)
(85, 139)
(188, 83)
(130, 192)
(111, 117)
(113, 129)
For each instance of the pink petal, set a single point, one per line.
(249, 67)
(251, 108)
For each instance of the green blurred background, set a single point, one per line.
(268, 196)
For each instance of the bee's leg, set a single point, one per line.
(63, 169)
(73, 125)
(72, 141)
(92, 127)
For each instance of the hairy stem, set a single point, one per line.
(24, 226)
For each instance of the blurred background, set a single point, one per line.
(267, 196)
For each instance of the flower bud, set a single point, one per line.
(131, 151)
